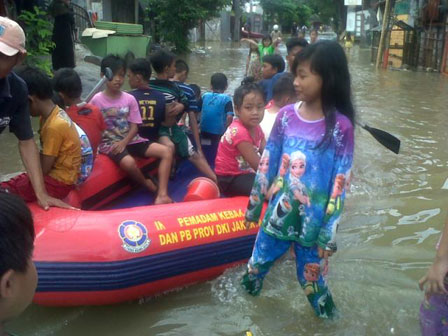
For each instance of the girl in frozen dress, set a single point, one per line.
(317, 135)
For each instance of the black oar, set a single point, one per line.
(386, 139)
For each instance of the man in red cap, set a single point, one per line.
(14, 108)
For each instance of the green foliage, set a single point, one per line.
(174, 18)
(304, 13)
(331, 12)
(285, 12)
(38, 32)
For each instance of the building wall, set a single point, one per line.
(396, 42)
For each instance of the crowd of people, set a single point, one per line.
(287, 138)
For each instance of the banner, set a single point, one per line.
(353, 2)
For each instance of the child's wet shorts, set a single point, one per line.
(138, 149)
(184, 147)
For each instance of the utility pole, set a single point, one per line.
(251, 15)
(383, 33)
(237, 24)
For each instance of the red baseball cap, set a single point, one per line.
(12, 37)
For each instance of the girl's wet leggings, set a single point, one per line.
(434, 316)
(311, 271)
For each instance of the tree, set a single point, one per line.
(285, 12)
(237, 24)
(279, 11)
(330, 12)
(174, 18)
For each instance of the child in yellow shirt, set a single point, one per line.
(60, 157)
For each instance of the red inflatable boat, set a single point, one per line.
(102, 257)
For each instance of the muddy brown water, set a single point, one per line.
(393, 216)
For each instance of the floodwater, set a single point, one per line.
(392, 220)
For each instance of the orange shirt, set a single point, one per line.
(59, 138)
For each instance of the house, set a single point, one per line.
(416, 36)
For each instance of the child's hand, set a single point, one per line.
(179, 108)
(433, 281)
(117, 147)
(170, 109)
(325, 254)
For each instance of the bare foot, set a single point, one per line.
(150, 185)
(164, 199)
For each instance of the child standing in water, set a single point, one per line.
(241, 145)
(310, 145)
(267, 45)
(253, 64)
(434, 309)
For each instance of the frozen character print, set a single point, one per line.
(335, 200)
(263, 168)
(280, 213)
(311, 274)
(296, 171)
(260, 184)
(254, 200)
(283, 206)
(325, 305)
(280, 180)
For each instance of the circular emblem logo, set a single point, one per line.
(134, 236)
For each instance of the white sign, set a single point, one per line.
(350, 26)
(353, 2)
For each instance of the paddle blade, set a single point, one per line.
(386, 139)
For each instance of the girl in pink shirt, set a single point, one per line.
(243, 142)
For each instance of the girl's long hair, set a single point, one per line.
(328, 60)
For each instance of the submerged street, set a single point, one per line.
(393, 216)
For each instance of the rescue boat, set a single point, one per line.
(113, 251)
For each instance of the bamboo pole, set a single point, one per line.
(383, 33)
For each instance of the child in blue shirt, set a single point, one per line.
(272, 70)
(217, 112)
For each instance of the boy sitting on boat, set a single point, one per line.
(67, 84)
(60, 157)
(120, 140)
(14, 110)
(180, 77)
(170, 133)
(217, 112)
(151, 104)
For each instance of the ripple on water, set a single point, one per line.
(359, 289)
(419, 217)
